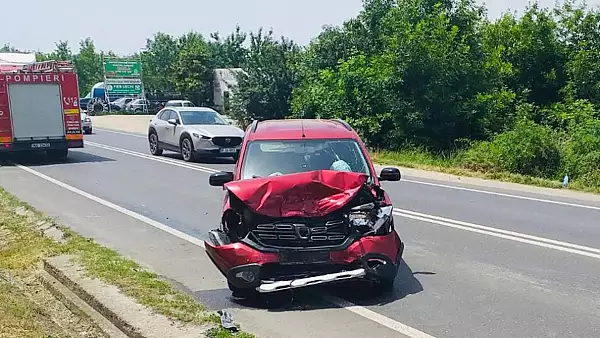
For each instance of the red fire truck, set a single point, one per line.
(39, 109)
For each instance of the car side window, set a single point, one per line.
(164, 115)
(174, 115)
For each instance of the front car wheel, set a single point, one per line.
(153, 144)
(187, 149)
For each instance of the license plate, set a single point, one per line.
(303, 257)
(228, 150)
(40, 145)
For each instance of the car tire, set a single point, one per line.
(153, 144)
(57, 154)
(186, 148)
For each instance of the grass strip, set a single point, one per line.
(23, 246)
(449, 164)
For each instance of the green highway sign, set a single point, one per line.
(123, 88)
(117, 68)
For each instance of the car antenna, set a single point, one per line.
(302, 125)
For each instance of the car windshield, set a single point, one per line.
(187, 104)
(273, 158)
(201, 117)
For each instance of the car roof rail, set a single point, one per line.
(343, 123)
(254, 126)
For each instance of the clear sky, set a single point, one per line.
(123, 26)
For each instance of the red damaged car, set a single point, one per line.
(304, 207)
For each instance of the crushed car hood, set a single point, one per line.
(308, 194)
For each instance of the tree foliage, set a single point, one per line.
(265, 87)
(518, 94)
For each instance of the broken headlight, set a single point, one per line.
(371, 220)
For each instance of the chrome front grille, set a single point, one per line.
(298, 234)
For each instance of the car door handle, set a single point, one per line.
(167, 128)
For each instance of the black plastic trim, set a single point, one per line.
(257, 246)
(255, 268)
(26, 146)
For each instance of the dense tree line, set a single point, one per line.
(519, 94)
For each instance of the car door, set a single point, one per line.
(180, 127)
(172, 131)
(160, 125)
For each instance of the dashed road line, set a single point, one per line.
(500, 233)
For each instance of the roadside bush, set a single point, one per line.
(582, 153)
(566, 116)
(482, 157)
(528, 149)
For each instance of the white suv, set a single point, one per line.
(194, 132)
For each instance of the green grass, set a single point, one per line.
(22, 247)
(220, 332)
(21, 317)
(450, 163)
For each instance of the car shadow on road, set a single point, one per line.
(203, 160)
(40, 159)
(406, 284)
(307, 299)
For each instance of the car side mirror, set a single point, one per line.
(219, 179)
(390, 174)
(173, 121)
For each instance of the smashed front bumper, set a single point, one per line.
(269, 270)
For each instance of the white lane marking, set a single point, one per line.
(501, 235)
(542, 200)
(486, 230)
(506, 232)
(122, 133)
(153, 158)
(115, 207)
(376, 317)
(359, 310)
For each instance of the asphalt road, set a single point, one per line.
(479, 262)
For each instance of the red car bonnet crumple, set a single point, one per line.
(307, 194)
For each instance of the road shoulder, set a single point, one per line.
(132, 298)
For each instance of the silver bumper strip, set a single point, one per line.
(309, 281)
